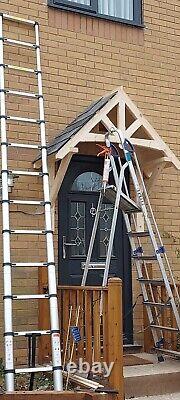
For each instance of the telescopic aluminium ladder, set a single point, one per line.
(54, 332)
(119, 195)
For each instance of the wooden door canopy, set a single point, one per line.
(113, 110)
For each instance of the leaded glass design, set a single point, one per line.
(87, 182)
(105, 228)
(77, 228)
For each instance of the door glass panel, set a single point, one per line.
(105, 228)
(87, 182)
(77, 228)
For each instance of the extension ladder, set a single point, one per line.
(8, 265)
(119, 195)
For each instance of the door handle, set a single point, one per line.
(64, 246)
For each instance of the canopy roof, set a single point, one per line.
(114, 110)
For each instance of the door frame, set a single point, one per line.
(83, 165)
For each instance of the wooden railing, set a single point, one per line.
(165, 315)
(99, 314)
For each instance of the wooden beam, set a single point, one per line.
(133, 128)
(121, 115)
(61, 174)
(150, 182)
(97, 137)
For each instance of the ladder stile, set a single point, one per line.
(8, 326)
(55, 337)
(51, 296)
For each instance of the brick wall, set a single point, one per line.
(83, 58)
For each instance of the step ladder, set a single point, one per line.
(9, 298)
(119, 195)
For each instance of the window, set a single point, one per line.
(123, 10)
(87, 182)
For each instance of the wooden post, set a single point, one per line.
(115, 335)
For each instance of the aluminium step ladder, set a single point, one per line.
(9, 298)
(129, 208)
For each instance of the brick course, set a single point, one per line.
(83, 58)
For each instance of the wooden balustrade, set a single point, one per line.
(99, 320)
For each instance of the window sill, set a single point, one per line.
(96, 15)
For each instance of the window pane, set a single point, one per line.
(87, 182)
(117, 8)
(86, 2)
(77, 228)
(105, 228)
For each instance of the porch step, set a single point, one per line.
(152, 379)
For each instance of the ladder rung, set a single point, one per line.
(20, 43)
(166, 328)
(23, 69)
(150, 303)
(28, 333)
(151, 281)
(139, 234)
(18, 19)
(23, 94)
(15, 172)
(25, 146)
(26, 265)
(21, 119)
(30, 296)
(28, 202)
(30, 370)
(27, 232)
(145, 258)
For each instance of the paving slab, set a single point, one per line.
(153, 379)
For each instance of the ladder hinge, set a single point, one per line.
(139, 250)
(53, 295)
(7, 264)
(160, 250)
(6, 231)
(37, 72)
(8, 297)
(48, 231)
(41, 121)
(43, 147)
(3, 116)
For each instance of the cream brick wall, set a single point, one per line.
(83, 58)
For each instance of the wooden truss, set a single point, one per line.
(153, 153)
